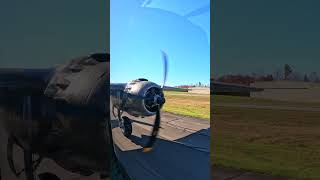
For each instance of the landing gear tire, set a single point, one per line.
(127, 126)
(48, 176)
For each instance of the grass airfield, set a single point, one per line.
(272, 141)
(188, 104)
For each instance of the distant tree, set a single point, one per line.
(269, 77)
(306, 79)
(296, 76)
(287, 71)
(253, 74)
(238, 79)
(313, 77)
(277, 74)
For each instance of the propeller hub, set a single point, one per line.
(159, 100)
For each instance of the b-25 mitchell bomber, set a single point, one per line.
(139, 98)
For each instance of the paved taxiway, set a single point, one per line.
(182, 150)
(224, 173)
(273, 107)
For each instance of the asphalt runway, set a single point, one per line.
(182, 150)
(224, 173)
(273, 107)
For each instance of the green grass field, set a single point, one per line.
(187, 104)
(278, 142)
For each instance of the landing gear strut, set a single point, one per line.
(126, 126)
(30, 165)
(125, 123)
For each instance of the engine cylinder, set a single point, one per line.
(139, 98)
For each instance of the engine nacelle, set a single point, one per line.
(138, 98)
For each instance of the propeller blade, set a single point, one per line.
(165, 67)
(154, 134)
(156, 125)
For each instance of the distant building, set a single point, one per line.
(168, 88)
(184, 86)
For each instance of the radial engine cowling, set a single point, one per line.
(140, 98)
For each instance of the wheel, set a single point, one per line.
(48, 176)
(127, 126)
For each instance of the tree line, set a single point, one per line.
(286, 73)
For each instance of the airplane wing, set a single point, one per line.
(23, 81)
(220, 88)
(29, 81)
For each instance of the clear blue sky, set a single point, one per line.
(262, 35)
(141, 29)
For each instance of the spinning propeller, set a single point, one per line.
(158, 102)
(139, 98)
